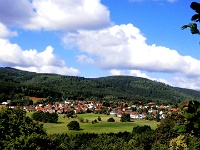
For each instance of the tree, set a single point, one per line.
(141, 129)
(142, 137)
(70, 113)
(196, 18)
(20, 132)
(125, 118)
(45, 117)
(190, 121)
(73, 125)
(111, 120)
(178, 143)
(165, 130)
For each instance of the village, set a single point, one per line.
(147, 111)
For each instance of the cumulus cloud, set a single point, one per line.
(136, 73)
(187, 82)
(12, 55)
(55, 15)
(70, 14)
(116, 72)
(124, 47)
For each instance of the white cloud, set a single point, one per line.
(138, 73)
(123, 47)
(51, 69)
(55, 14)
(84, 59)
(5, 32)
(185, 82)
(68, 15)
(116, 72)
(13, 56)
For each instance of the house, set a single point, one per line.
(113, 111)
(119, 113)
(135, 115)
(68, 101)
(4, 103)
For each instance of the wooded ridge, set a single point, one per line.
(126, 88)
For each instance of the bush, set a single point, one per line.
(81, 120)
(141, 129)
(99, 118)
(111, 120)
(94, 121)
(125, 118)
(45, 117)
(70, 113)
(73, 125)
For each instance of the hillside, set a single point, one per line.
(106, 88)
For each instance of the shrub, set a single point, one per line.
(141, 129)
(81, 120)
(73, 125)
(125, 118)
(45, 117)
(99, 118)
(94, 121)
(111, 120)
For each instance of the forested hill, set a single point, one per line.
(15, 81)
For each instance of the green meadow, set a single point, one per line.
(101, 127)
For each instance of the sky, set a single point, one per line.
(99, 38)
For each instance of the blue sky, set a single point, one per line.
(96, 38)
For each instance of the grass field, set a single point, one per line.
(36, 99)
(100, 127)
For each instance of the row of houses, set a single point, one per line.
(79, 106)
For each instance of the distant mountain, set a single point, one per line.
(126, 88)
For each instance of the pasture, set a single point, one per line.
(36, 99)
(101, 127)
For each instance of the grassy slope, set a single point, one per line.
(100, 127)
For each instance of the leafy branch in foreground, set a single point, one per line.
(196, 18)
(193, 28)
